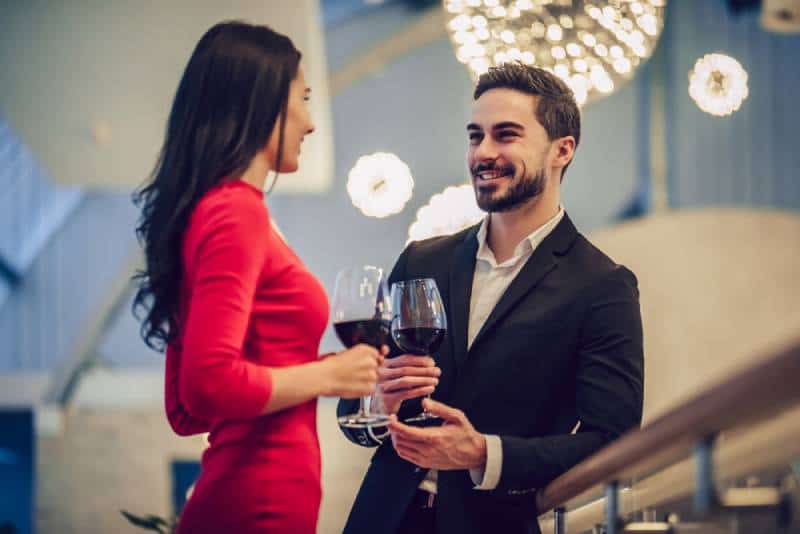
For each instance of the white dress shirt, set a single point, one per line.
(489, 283)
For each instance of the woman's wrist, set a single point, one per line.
(322, 376)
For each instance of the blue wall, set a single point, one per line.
(17, 469)
(46, 313)
(62, 248)
(750, 157)
(31, 209)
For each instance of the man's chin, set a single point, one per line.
(487, 201)
(487, 191)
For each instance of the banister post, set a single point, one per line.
(560, 520)
(612, 508)
(705, 497)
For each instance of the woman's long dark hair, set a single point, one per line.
(234, 89)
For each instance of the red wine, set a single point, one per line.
(374, 332)
(419, 340)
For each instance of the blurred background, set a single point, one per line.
(688, 171)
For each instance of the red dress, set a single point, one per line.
(247, 304)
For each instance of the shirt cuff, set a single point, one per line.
(488, 477)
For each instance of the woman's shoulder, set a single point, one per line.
(230, 214)
(232, 201)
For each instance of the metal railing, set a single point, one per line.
(655, 455)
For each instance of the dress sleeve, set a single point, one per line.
(181, 421)
(224, 264)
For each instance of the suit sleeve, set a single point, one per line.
(373, 437)
(216, 381)
(609, 389)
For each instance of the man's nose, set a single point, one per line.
(484, 152)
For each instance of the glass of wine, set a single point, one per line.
(362, 313)
(419, 323)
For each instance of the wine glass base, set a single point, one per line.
(363, 421)
(424, 417)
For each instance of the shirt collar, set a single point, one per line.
(526, 246)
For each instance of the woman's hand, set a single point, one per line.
(352, 373)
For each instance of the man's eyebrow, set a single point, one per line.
(499, 126)
(508, 124)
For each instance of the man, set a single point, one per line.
(542, 364)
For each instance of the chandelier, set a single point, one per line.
(593, 45)
(446, 213)
(380, 184)
(718, 84)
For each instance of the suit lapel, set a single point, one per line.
(542, 261)
(462, 270)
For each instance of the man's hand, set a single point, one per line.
(404, 377)
(454, 445)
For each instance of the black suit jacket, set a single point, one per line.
(563, 345)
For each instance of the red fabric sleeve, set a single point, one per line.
(181, 421)
(225, 256)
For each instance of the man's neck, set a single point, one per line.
(508, 229)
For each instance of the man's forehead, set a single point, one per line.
(503, 105)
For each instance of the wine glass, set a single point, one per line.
(362, 313)
(419, 322)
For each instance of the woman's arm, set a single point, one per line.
(181, 421)
(215, 380)
(350, 374)
(224, 263)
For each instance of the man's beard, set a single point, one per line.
(518, 193)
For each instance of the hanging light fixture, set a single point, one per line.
(380, 184)
(446, 213)
(594, 46)
(718, 84)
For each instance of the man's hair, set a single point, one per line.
(556, 109)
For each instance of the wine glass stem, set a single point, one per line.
(362, 407)
(428, 396)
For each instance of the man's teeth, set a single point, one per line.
(490, 175)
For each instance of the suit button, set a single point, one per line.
(417, 469)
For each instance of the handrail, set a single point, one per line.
(777, 441)
(760, 391)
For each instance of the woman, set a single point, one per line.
(240, 315)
